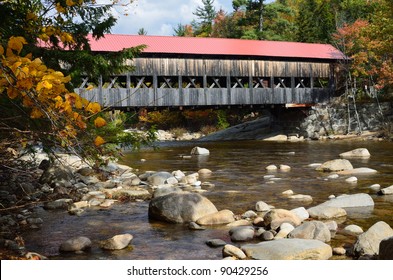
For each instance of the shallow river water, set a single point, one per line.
(238, 175)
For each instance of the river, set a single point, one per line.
(238, 178)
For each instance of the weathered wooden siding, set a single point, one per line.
(144, 97)
(224, 67)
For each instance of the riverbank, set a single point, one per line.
(77, 187)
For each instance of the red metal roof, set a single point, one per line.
(215, 46)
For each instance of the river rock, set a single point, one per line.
(233, 251)
(76, 244)
(285, 229)
(324, 212)
(214, 243)
(262, 206)
(62, 203)
(288, 192)
(284, 167)
(288, 249)
(386, 249)
(301, 212)
(368, 242)
(195, 226)
(199, 151)
(332, 225)
(164, 190)
(204, 171)
(238, 223)
(339, 251)
(249, 214)
(56, 174)
(375, 187)
(217, 218)
(358, 171)
(242, 233)
(351, 200)
(180, 207)
(301, 197)
(276, 217)
(312, 230)
(387, 190)
(267, 235)
(353, 230)
(271, 167)
(351, 179)
(335, 165)
(128, 193)
(356, 153)
(159, 178)
(117, 242)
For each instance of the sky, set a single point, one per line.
(160, 17)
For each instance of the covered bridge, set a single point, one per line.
(189, 71)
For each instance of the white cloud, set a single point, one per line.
(160, 17)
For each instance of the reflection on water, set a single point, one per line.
(238, 175)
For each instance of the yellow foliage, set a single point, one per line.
(36, 113)
(16, 43)
(99, 122)
(93, 107)
(99, 141)
(12, 92)
(1, 50)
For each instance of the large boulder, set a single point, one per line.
(335, 165)
(357, 153)
(180, 207)
(368, 242)
(288, 249)
(351, 200)
(217, 218)
(312, 230)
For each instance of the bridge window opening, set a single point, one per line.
(116, 82)
(302, 83)
(86, 83)
(239, 82)
(141, 82)
(192, 82)
(168, 82)
(321, 82)
(216, 82)
(259, 82)
(282, 82)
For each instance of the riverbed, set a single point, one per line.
(238, 176)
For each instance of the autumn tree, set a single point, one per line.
(368, 44)
(44, 51)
